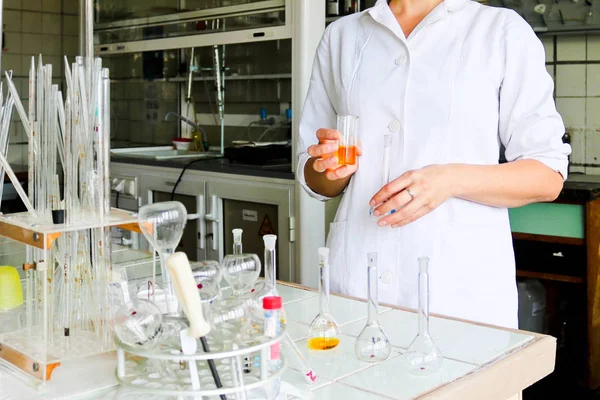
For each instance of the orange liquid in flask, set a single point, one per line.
(323, 343)
(346, 155)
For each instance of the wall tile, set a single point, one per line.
(593, 113)
(11, 61)
(549, 68)
(575, 169)
(12, 44)
(570, 80)
(572, 110)
(71, 25)
(578, 136)
(15, 154)
(592, 147)
(33, 5)
(52, 46)
(593, 80)
(13, 4)
(70, 45)
(12, 20)
(32, 43)
(54, 5)
(592, 170)
(548, 42)
(51, 23)
(593, 48)
(571, 48)
(70, 7)
(32, 22)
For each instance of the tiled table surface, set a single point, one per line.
(466, 348)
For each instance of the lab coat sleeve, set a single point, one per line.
(318, 111)
(530, 127)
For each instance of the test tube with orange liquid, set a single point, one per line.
(347, 125)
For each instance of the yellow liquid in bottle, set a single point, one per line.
(323, 343)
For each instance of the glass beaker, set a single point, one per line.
(324, 333)
(423, 356)
(162, 225)
(372, 345)
(385, 179)
(347, 125)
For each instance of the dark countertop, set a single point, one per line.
(580, 188)
(219, 165)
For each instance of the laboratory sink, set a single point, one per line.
(161, 153)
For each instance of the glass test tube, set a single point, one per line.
(385, 179)
(347, 125)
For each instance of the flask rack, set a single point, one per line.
(135, 371)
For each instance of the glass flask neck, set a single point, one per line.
(237, 248)
(324, 288)
(372, 289)
(423, 296)
(270, 264)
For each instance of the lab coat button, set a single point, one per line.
(386, 277)
(394, 126)
(401, 60)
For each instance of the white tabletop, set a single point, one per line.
(470, 352)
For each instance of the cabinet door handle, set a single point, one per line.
(170, 183)
(213, 217)
(201, 222)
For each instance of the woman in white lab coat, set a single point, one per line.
(454, 82)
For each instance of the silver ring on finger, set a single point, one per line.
(410, 193)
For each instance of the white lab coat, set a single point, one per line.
(468, 80)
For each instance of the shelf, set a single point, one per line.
(207, 78)
(548, 238)
(550, 277)
(23, 228)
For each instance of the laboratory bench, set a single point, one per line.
(559, 244)
(276, 170)
(480, 361)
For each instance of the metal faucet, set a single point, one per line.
(190, 123)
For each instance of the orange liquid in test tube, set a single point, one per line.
(346, 155)
(347, 125)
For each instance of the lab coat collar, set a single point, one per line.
(378, 10)
(382, 13)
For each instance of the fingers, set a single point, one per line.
(322, 150)
(410, 208)
(392, 188)
(323, 164)
(395, 203)
(341, 172)
(324, 135)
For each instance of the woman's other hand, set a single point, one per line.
(412, 195)
(325, 158)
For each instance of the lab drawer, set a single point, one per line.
(550, 258)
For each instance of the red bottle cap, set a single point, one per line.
(272, 303)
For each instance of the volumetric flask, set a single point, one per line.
(372, 344)
(385, 179)
(324, 333)
(240, 271)
(347, 125)
(423, 356)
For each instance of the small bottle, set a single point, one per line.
(272, 308)
(333, 8)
